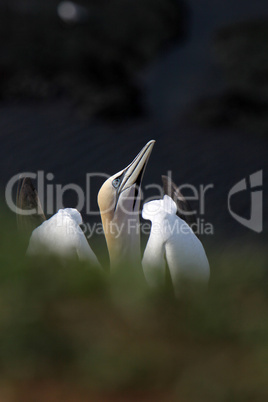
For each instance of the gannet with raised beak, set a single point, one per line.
(119, 204)
(172, 243)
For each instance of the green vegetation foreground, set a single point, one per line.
(70, 332)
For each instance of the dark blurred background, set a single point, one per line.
(84, 85)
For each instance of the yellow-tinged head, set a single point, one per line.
(119, 204)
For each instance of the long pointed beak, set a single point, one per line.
(134, 172)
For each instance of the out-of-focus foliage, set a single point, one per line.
(71, 331)
(93, 62)
(241, 51)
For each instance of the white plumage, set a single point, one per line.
(172, 241)
(61, 235)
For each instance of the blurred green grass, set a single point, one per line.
(71, 332)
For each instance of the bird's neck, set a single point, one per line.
(123, 240)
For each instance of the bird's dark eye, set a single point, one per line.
(116, 182)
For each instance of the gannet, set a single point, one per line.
(172, 243)
(184, 209)
(60, 235)
(119, 204)
(27, 199)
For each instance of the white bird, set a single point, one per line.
(172, 243)
(119, 203)
(61, 235)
